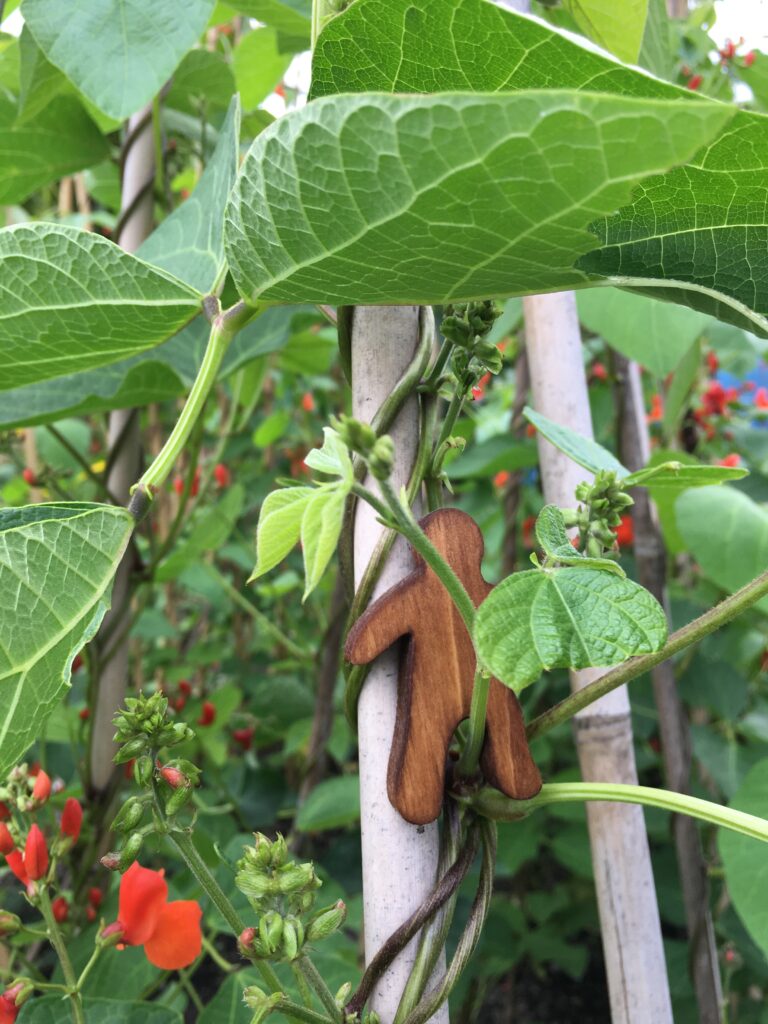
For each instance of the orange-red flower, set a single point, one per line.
(625, 532)
(72, 819)
(15, 861)
(35, 854)
(6, 839)
(42, 789)
(169, 932)
(9, 1011)
(732, 460)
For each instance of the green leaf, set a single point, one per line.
(208, 533)
(582, 450)
(727, 534)
(279, 526)
(117, 52)
(227, 1006)
(71, 300)
(39, 80)
(56, 567)
(202, 81)
(698, 226)
(333, 458)
(489, 457)
(554, 541)
(685, 376)
(564, 618)
(408, 199)
(55, 1010)
(334, 803)
(272, 428)
(320, 531)
(744, 861)
(656, 334)
(60, 140)
(619, 29)
(680, 476)
(189, 244)
(291, 18)
(259, 65)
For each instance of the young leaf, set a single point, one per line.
(333, 458)
(279, 526)
(320, 531)
(680, 476)
(118, 53)
(259, 65)
(564, 618)
(71, 300)
(425, 199)
(189, 243)
(708, 239)
(57, 562)
(619, 29)
(582, 450)
(552, 536)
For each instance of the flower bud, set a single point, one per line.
(382, 458)
(129, 815)
(111, 861)
(35, 854)
(42, 788)
(262, 1004)
(72, 819)
(327, 921)
(6, 839)
(60, 909)
(142, 771)
(245, 940)
(130, 749)
(342, 996)
(290, 943)
(131, 850)
(112, 935)
(270, 931)
(296, 877)
(175, 778)
(177, 800)
(9, 923)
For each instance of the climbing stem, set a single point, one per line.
(470, 757)
(60, 946)
(629, 670)
(316, 981)
(492, 804)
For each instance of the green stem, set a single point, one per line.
(60, 946)
(470, 757)
(301, 1013)
(492, 804)
(321, 10)
(452, 414)
(313, 977)
(629, 670)
(224, 327)
(89, 967)
(216, 956)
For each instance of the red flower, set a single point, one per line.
(208, 715)
(176, 779)
(178, 484)
(185, 687)
(95, 896)
(15, 862)
(221, 475)
(90, 914)
(530, 430)
(712, 362)
(9, 1011)
(501, 478)
(730, 460)
(715, 399)
(307, 402)
(728, 51)
(77, 663)
(479, 390)
(529, 524)
(35, 854)
(179, 703)
(599, 371)
(72, 819)
(625, 532)
(169, 932)
(84, 714)
(6, 839)
(761, 398)
(4, 812)
(749, 59)
(29, 476)
(279, 88)
(695, 82)
(60, 909)
(657, 409)
(244, 736)
(42, 788)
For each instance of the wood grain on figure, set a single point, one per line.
(437, 671)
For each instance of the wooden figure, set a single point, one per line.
(437, 671)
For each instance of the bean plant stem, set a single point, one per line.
(313, 977)
(60, 946)
(470, 757)
(629, 670)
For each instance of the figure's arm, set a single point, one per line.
(383, 622)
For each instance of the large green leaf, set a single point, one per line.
(617, 27)
(581, 450)
(744, 860)
(118, 53)
(656, 334)
(556, 545)
(259, 65)
(72, 300)
(291, 18)
(332, 804)
(564, 618)
(39, 80)
(208, 533)
(55, 1010)
(727, 534)
(60, 139)
(56, 567)
(381, 199)
(189, 243)
(703, 226)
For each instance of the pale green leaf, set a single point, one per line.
(656, 49)
(744, 860)
(727, 534)
(320, 532)
(684, 378)
(695, 235)
(189, 243)
(56, 567)
(60, 140)
(333, 804)
(259, 66)
(553, 538)
(410, 199)
(203, 81)
(55, 1010)
(71, 300)
(208, 533)
(619, 28)
(582, 450)
(291, 18)
(654, 333)
(564, 618)
(39, 80)
(681, 476)
(119, 53)
(333, 458)
(279, 526)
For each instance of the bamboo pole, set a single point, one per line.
(629, 916)
(137, 204)
(399, 859)
(650, 558)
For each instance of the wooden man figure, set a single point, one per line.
(437, 671)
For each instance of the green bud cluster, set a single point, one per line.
(143, 725)
(260, 1002)
(378, 452)
(602, 505)
(466, 325)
